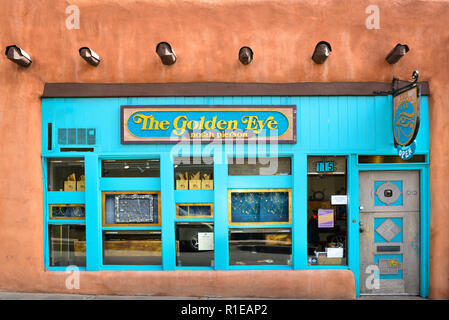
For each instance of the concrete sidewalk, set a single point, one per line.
(60, 296)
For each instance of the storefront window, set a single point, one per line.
(327, 210)
(144, 168)
(67, 245)
(65, 174)
(252, 206)
(259, 166)
(125, 208)
(194, 173)
(134, 247)
(266, 246)
(195, 244)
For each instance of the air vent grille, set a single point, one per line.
(77, 136)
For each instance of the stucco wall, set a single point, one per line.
(206, 36)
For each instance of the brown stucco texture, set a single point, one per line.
(206, 36)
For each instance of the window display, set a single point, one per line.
(247, 206)
(67, 211)
(326, 210)
(268, 246)
(131, 208)
(133, 247)
(65, 174)
(67, 245)
(194, 173)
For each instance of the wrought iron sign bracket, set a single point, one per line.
(395, 85)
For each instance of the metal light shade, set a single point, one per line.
(397, 53)
(90, 56)
(166, 53)
(245, 55)
(18, 56)
(322, 50)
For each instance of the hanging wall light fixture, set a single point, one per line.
(397, 53)
(18, 56)
(322, 50)
(90, 56)
(245, 55)
(166, 53)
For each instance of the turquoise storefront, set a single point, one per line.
(314, 195)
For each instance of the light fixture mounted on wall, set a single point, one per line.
(18, 56)
(322, 50)
(245, 55)
(397, 53)
(166, 53)
(90, 56)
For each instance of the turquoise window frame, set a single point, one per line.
(347, 126)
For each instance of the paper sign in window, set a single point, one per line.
(325, 218)
(205, 241)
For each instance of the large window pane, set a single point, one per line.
(327, 210)
(268, 246)
(65, 174)
(196, 244)
(259, 166)
(67, 245)
(132, 248)
(143, 168)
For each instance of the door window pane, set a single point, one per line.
(327, 211)
(268, 246)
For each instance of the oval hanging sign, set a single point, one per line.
(406, 115)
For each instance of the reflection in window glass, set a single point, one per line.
(65, 174)
(132, 248)
(143, 168)
(197, 210)
(67, 245)
(326, 222)
(196, 244)
(259, 166)
(268, 246)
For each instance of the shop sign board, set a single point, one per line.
(406, 115)
(165, 124)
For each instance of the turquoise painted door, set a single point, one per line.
(389, 232)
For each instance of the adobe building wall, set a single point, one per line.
(206, 36)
